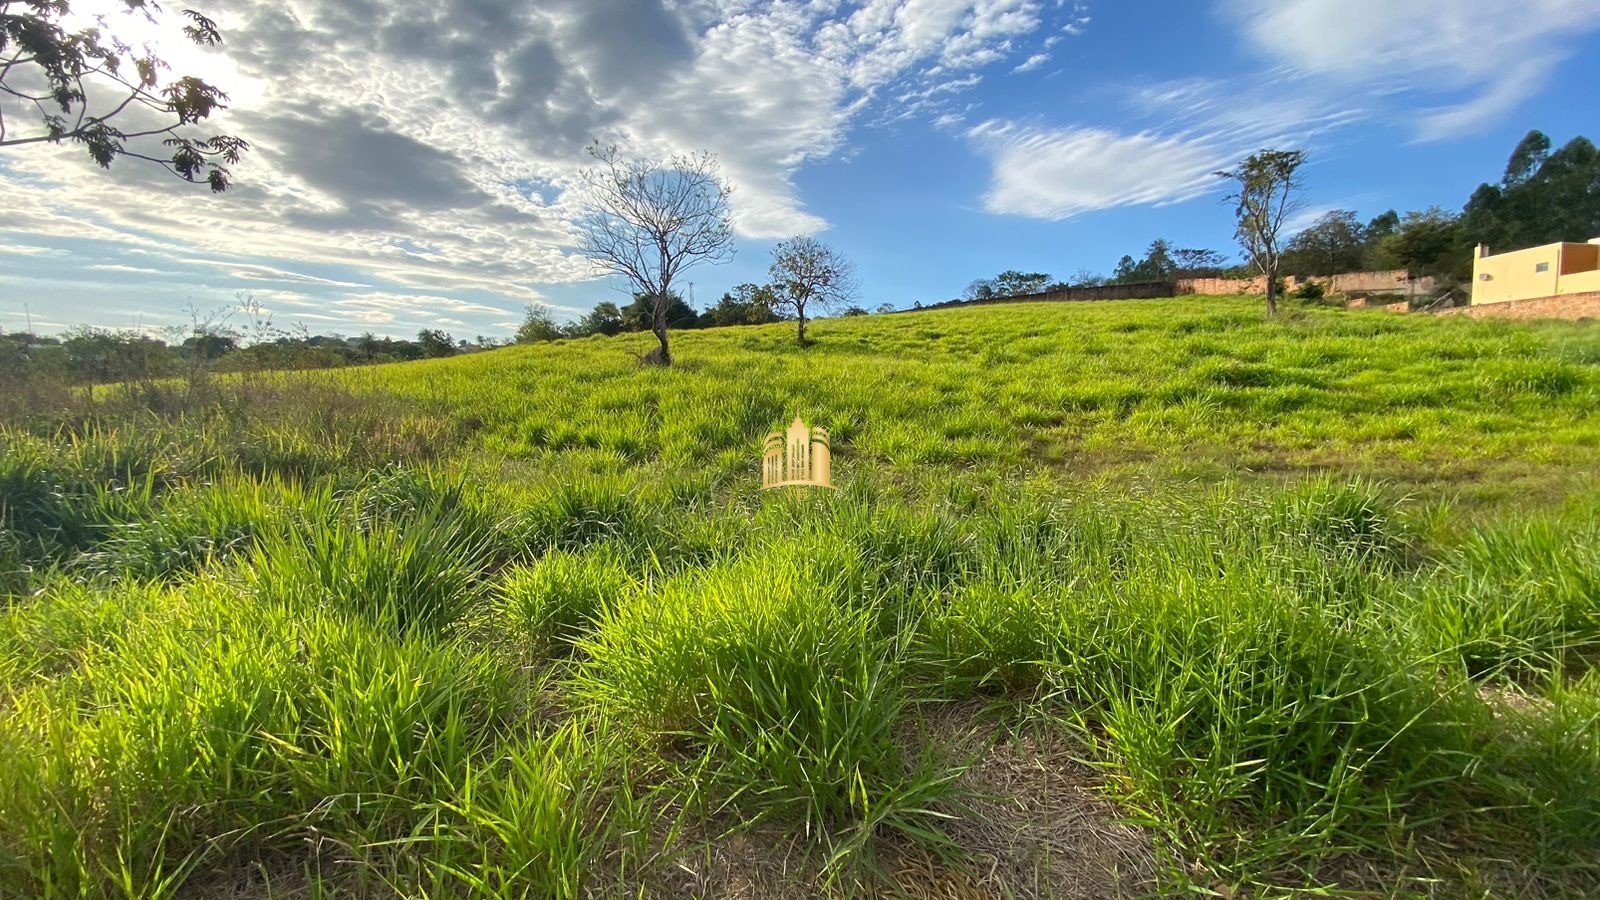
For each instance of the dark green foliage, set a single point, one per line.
(1334, 244)
(435, 343)
(636, 316)
(1311, 290)
(1544, 197)
(746, 304)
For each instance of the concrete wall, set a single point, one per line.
(1224, 286)
(1392, 281)
(1546, 271)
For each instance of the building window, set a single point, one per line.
(1542, 267)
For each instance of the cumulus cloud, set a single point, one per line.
(1498, 54)
(439, 154)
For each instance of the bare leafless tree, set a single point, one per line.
(1267, 194)
(648, 220)
(806, 271)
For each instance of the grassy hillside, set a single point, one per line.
(1113, 598)
(1199, 386)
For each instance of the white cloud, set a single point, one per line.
(258, 272)
(1497, 52)
(440, 127)
(30, 250)
(129, 270)
(1056, 173)
(1180, 133)
(1517, 83)
(1032, 62)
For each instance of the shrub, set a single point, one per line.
(1311, 290)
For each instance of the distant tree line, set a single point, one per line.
(87, 355)
(1161, 262)
(1542, 197)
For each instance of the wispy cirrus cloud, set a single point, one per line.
(1183, 132)
(1057, 173)
(1481, 58)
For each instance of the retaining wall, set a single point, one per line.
(1565, 306)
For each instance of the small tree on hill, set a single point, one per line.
(83, 87)
(538, 325)
(806, 271)
(649, 220)
(1266, 194)
(436, 342)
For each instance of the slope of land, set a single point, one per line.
(1113, 599)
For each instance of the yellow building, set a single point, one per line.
(1548, 271)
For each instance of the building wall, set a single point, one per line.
(1579, 258)
(1516, 275)
(1579, 283)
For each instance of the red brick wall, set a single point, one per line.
(1568, 306)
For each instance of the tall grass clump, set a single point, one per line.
(221, 726)
(416, 572)
(572, 514)
(1239, 709)
(187, 529)
(1544, 767)
(529, 823)
(54, 504)
(554, 601)
(762, 676)
(1518, 598)
(992, 635)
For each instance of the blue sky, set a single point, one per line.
(415, 162)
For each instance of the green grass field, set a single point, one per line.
(1116, 598)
